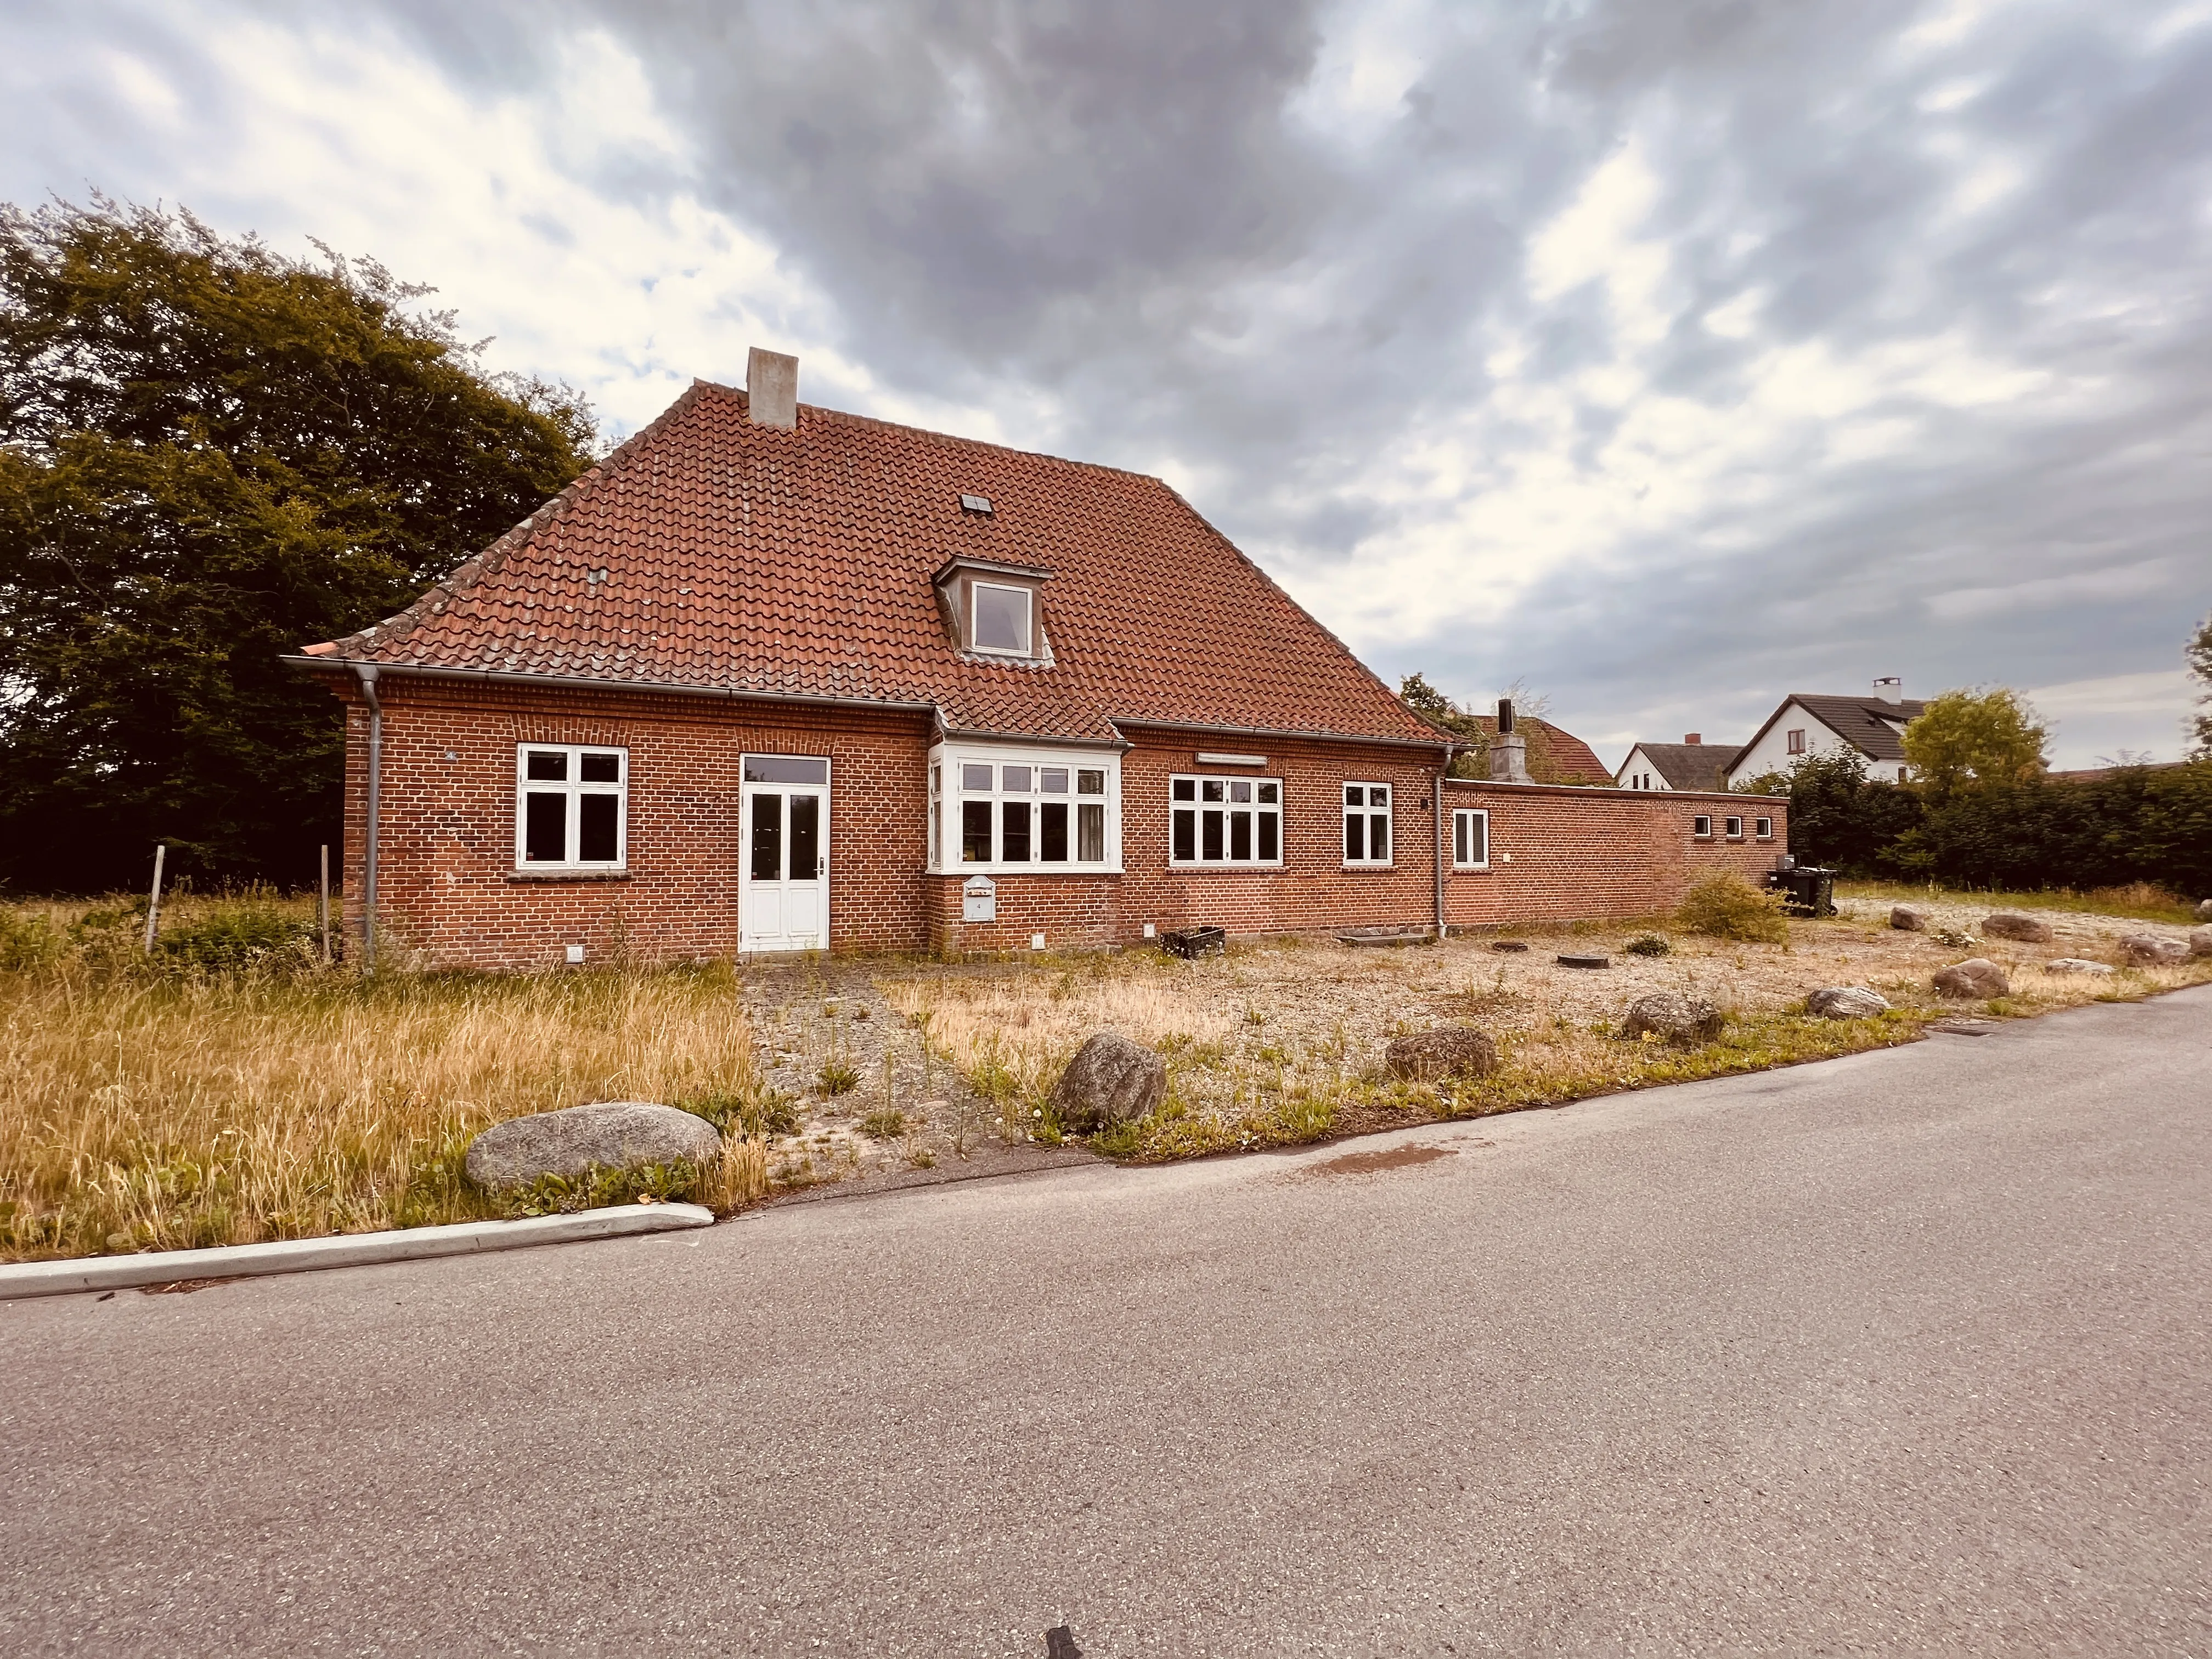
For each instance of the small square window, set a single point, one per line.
(1186, 789)
(1053, 779)
(1765, 827)
(977, 778)
(1090, 783)
(1701, 825)
(548, 766)
(1015, 779)
(1002, 619)
(601, 768)
(1735, 828)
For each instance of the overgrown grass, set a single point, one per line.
(225, 1095)
(2139, 900)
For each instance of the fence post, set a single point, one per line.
(154, 902)
(323, 905)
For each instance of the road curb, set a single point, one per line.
(297, 1256)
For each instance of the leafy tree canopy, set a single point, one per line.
(1966, 738)
(209, 456)
(2199, 651)
(1473, 730)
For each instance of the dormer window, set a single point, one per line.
(1001, 622)
(993, 608)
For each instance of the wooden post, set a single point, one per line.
(154, 902)
(323, 905)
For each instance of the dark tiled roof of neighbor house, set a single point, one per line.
(1691, 765)
(746, 557)
(1862, 722)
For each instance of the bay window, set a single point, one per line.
(1224, 820)
(1038, 812)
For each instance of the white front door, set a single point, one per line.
(784, 893)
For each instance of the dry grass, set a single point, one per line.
(2139, 901)
(144, 1108)
(1281, 1043)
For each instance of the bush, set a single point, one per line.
(1649, 945)
(1725, 905)
(239, 936)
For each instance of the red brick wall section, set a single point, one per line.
(1587, 854)
(448, 894)
(450, 897)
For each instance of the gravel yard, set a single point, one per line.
(1282, 1041)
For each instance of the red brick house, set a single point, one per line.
(775, 677)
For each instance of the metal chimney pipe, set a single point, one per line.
(1504, 716)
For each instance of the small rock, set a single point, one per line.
(1908, 918)
(1847, 1002)
(1111, 1080)
(1447, 1051)
(612, 1134)
(2010, 924)
(1508, 944)
(1976, 976)
(2076, 965)
(2149, 951)
(1674, 1016)
(2200, 941)
(2204, 910)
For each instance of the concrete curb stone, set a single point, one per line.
(19, 1279)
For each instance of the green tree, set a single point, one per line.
(1966, 738)
(2199, 651)
(209, 456)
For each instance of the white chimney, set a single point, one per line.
(1890, 690)
(772, 389)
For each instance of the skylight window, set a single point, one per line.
(974, 503)
(1001, 622)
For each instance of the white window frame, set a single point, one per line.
(1732, 827)
(1029, 619)
(1255, 785)
(950, 794)
(1460, 814)
(572, 786)
(1763, 829)
(1701, 826)
(1365, 810)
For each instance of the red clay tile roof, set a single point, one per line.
(748, 558)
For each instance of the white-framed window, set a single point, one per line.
(1000, 623)
(1796, 741)
(1733, 827)
(571, 807)
(1224, 820)
(1702, 827)
(1764, 828)
(1470, 838)
(1367, 823)
(1011, 810)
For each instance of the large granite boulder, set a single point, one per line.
(613, 1134)
(1111, 1080)
(2076, 965)
(1449, 1051)
(1976, 976)
(1673, 1015)
(1847, 1002)
(1909, 917)
(2200, 941)
(2010, 924)
(2149, 951)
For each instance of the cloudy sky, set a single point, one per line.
(1667, 355)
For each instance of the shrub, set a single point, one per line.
(1649, 945)
(1725, 905)
(885, 1123)
(239, 936)
(837, 1077)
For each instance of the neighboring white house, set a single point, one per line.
(1692, 763)
(1808, 723)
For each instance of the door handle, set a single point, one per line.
(821, 866)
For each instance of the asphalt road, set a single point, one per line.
(1902, 1354)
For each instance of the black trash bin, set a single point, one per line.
(1190, 943)
(1806, 888)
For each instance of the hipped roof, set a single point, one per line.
(748, 558)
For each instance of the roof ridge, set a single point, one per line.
(848, 415)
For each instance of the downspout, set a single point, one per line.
(367, 674)
(1441, 771)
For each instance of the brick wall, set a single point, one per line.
(450, 896)
(446, 862)
(1586, 854)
